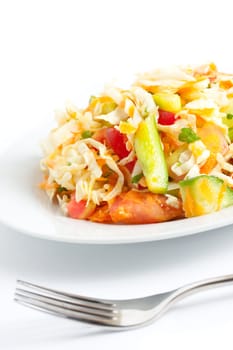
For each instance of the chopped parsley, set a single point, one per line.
(188, 135)
(229, 116)
(135, 179)
(61, 189)
(86, 134)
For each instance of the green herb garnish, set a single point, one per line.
(86, 134)
(61, 189)
(135, 179)
(229, 116)
(188, 135)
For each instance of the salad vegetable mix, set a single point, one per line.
(159, 150)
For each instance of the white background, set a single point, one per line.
(51, 51)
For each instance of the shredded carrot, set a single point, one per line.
(50, 163)
(151, 89)
(169, 143)
(46, 186)
(226, 84)
(112, 179)
(101, 179)
(101, 162)
(101, 214)
(199, 121)
(95, 101)
(209, 164)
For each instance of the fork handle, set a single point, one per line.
(198, 286)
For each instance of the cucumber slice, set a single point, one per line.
(150, 155)
(227, 200)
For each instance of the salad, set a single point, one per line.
(157, 151)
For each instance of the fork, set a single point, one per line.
(107, 312)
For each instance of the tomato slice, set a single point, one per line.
(100, 135)
(131, 165)
(166, 118)
(117, 141)
(113, 139)
(80, 210)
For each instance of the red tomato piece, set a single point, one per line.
(166, 118)
(117, 141)
(130, 165)
(80, 210)
(100, 135)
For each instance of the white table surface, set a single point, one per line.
(51, 51)
(118, 271)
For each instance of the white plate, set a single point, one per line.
(25, 208)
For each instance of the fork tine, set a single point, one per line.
(64, 312)
(81, 300)
(27, 295)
